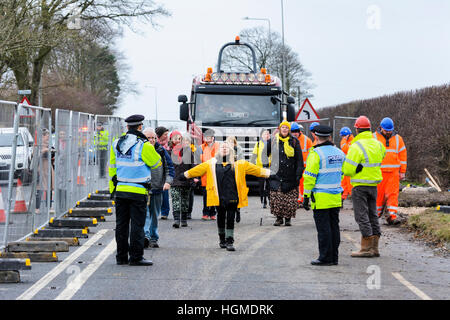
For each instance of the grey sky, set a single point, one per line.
(350, 53)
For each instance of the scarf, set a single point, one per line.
(288, 150)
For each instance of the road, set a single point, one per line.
(269, 263)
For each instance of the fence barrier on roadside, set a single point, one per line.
(46, 169)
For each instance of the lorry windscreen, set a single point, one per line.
(236, 110)
(6, 140)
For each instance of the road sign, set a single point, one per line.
(25, 101)
(307, 112)
(23, 92)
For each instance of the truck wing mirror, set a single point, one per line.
(184, 111)
(290, 100)
(182, 98)
(290, 113)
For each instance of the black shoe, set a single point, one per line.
(278, 222)
(264, 205)
(163, 217)
(222, 241)
(287, 222)
(146, 243)
(142, 262)
(320, 263)
(334, 263)
(176, 225)
(238, 217)
(184, 224)
(121, 262)
(153, 244)
(230, 246)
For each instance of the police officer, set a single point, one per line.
(322, 186)
(102, 140)
(132, 157)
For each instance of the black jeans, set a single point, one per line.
(225, 218)
(364, 200)
(134, 211)
(207, 211)
(328, 234)
(264, 189)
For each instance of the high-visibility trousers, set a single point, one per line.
(387, 193)
(300, 191)
(347, 186)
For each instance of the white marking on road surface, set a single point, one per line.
(351, 239)
(414, 289)
(41, 283)
(81, 278)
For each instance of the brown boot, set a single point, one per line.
(375, 240)
(366, 248)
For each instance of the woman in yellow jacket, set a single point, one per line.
(226, 188)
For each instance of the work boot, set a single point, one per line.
(287, 222)
(184, 219)
(222, 241)
(278, 222)
(238, 216)
(230, 241)
(392, 220)
(366, 248)
(375, 240)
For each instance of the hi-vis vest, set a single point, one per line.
(131, 170)
(395, 158)
(323, 176)
(369, 152)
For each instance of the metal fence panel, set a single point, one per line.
(339, 123)
(30, 169)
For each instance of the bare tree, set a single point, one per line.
(33, 28)
(269, 49)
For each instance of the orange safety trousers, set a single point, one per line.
(387, 193)
(347, 186)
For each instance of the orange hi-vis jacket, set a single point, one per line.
(208, 152)
(345, 143)
(346, 185)
(305, 144)
(395, 158)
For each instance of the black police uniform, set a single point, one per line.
(131, 208)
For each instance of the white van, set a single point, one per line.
(24, 153)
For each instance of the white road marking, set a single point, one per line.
(407, 284)
(351, 239)
(81, 278)
(41, 283)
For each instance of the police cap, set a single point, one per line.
(135, 120)
(323, 130)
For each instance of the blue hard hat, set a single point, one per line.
(345, 131)
(295, 127)
(313, 125)
(387, 124)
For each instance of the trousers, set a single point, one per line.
(364, 200)
(225, 219)
(328, 234)
(387, 192)
(130, 221)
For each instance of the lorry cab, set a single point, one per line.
(236, 103)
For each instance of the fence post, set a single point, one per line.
(18, 109)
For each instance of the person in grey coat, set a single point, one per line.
(162, 178)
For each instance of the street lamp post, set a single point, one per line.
(283, 50)
(263, 19)
(156, 102)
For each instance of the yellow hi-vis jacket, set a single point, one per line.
(241, 169)
(146, 155)
(369, 152)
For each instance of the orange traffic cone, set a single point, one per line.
(80, 178)
(2, 209)
(20, 206)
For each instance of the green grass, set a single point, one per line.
(432, 223)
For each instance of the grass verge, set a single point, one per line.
(431, 224)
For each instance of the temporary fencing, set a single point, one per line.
(339, 123)
(45, 170)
